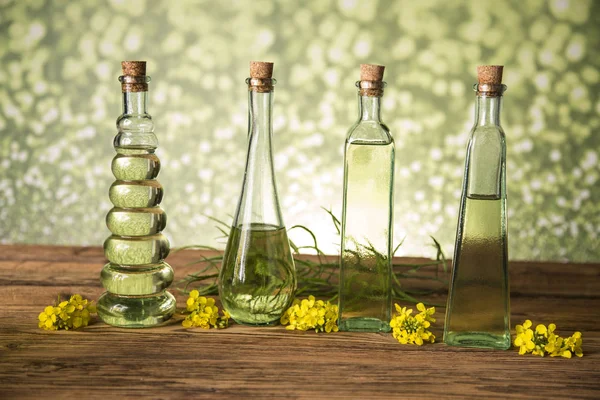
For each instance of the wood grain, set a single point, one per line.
(243, 362)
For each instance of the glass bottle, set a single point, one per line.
(257, 281)
(478, 309)
(136, 276)
(365, 297)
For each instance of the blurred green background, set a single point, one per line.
(59, 98)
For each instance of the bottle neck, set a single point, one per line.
(487, 111)
(369, 108)
(258, 202)
(260, 106)
(135, 103)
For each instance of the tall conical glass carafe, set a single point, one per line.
(257, 281)
(478, 309)
(365, 296)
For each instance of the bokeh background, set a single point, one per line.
(59, 98)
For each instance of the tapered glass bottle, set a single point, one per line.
(136, 276)
(257, 281)
(478, 309)
(365, 297)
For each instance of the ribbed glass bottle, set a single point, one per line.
(136, 276)
(478, 309)
(258, 278)
(365, 297)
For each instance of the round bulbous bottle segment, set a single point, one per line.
(136, 194)
(138, 281)
(136, 311)
(136, 277)
(130, 166)
(135, 140)
(135, 125)
(136, 221)
(125, 250)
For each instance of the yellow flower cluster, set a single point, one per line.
(69, 314)
(544, 341)
(413, 329)
(311, 314)
(204, 313)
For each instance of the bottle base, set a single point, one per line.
(482, 340)
(359, 324)
(136, 312)
(257, 323)
(256, 310)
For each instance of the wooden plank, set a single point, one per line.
(77, 263)
(245, 362)
(169, 362)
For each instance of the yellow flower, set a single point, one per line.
(223, 322)
(69, 314)
(311, 313)
(203, 313)
(543, 341)
(573, 344)
(524, 341)
(331, 326)
(541, 329)
(427, 313)
(413, 329)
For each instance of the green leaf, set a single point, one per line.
(336, 222)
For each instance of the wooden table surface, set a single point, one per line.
(101, 361)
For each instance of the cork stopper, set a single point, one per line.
(261, 77)
(134, 68)
(134, 77)
(371, 80)
(490, 74)
(261, 70)
(489, 80)
(371, 72)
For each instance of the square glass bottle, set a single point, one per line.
(365, 296)
(478, 309)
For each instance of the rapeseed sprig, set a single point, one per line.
(543, 341)
(204, 313)
(318, 275)
(413, 329)
(69, 314)
(311, 314)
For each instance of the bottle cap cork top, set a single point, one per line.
(134, 77)
(134, 68)
(261, 70)
(489, 74)
(371, 72)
